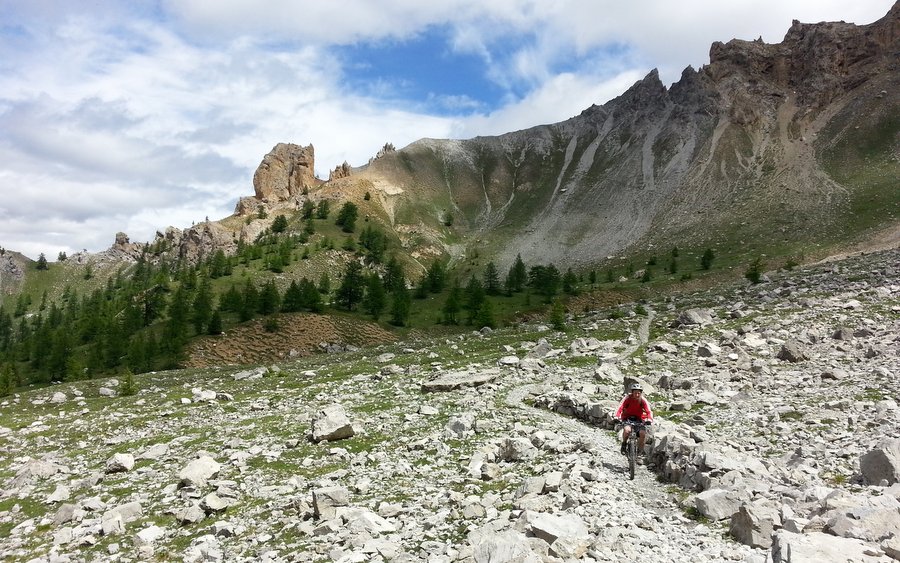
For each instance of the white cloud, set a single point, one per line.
(131, 116)
(566, 95)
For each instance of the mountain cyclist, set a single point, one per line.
(634, 408)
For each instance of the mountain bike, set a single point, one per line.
(631, 448)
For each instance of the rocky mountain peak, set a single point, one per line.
(818, 61)
(341, 171)
(285, 172)
(644, 96)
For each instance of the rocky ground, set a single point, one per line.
(775, 440)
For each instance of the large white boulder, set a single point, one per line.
(198, 472)
(882, 463)
(331, 424)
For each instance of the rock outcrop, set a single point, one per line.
(342, 171)
(12, 271)
(752, 139)
(285, 173)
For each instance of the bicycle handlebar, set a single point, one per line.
(644, 422)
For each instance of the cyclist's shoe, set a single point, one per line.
(622, 449)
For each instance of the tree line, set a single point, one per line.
(145, 316)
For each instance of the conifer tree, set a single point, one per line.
(269, 298)
(673, 265)
(374, 243)
(491, 279)
(75, 368)
(421, 290)
(453, 305)
(203, 306)
(375, 298)
(755, 270)
(325, 284)
(401, 305)
(60, 350)
(127, 386)
(394, 277)
(214, 326)
(307, 210)
(558, 316)
(350, 292)
(545, 280)
(232, 300)
(42, 262)
(293, 299)
(312, 296)
(436, 277)
(346, 218)
(485, 315)
(706, 260)
(323, 209)
(569, 282)
(249, 302)
(7, 380)
(517, 276)
(280, 224)
(474, 298)
(219, 265)
(175, 333)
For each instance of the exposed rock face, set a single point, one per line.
(751, 138)
(284, 173)
(204, 239)
(882, 463)
(342, 171)
(12, 270)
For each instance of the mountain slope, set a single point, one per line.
(756, 143)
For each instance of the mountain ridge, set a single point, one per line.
(742, 132)
(712, 137)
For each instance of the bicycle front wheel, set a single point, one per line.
(632, 458)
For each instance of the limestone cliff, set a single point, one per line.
(285, 173)
(793, 143)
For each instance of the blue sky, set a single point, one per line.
(136, 115)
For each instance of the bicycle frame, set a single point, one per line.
(632, 447)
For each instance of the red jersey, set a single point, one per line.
(639, 408)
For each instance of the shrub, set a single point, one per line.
(754, 271)
(280, 224)
(128, 386)
(271, 324)
(558, 316)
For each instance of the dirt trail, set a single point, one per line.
(644, 492)
(886, 239)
